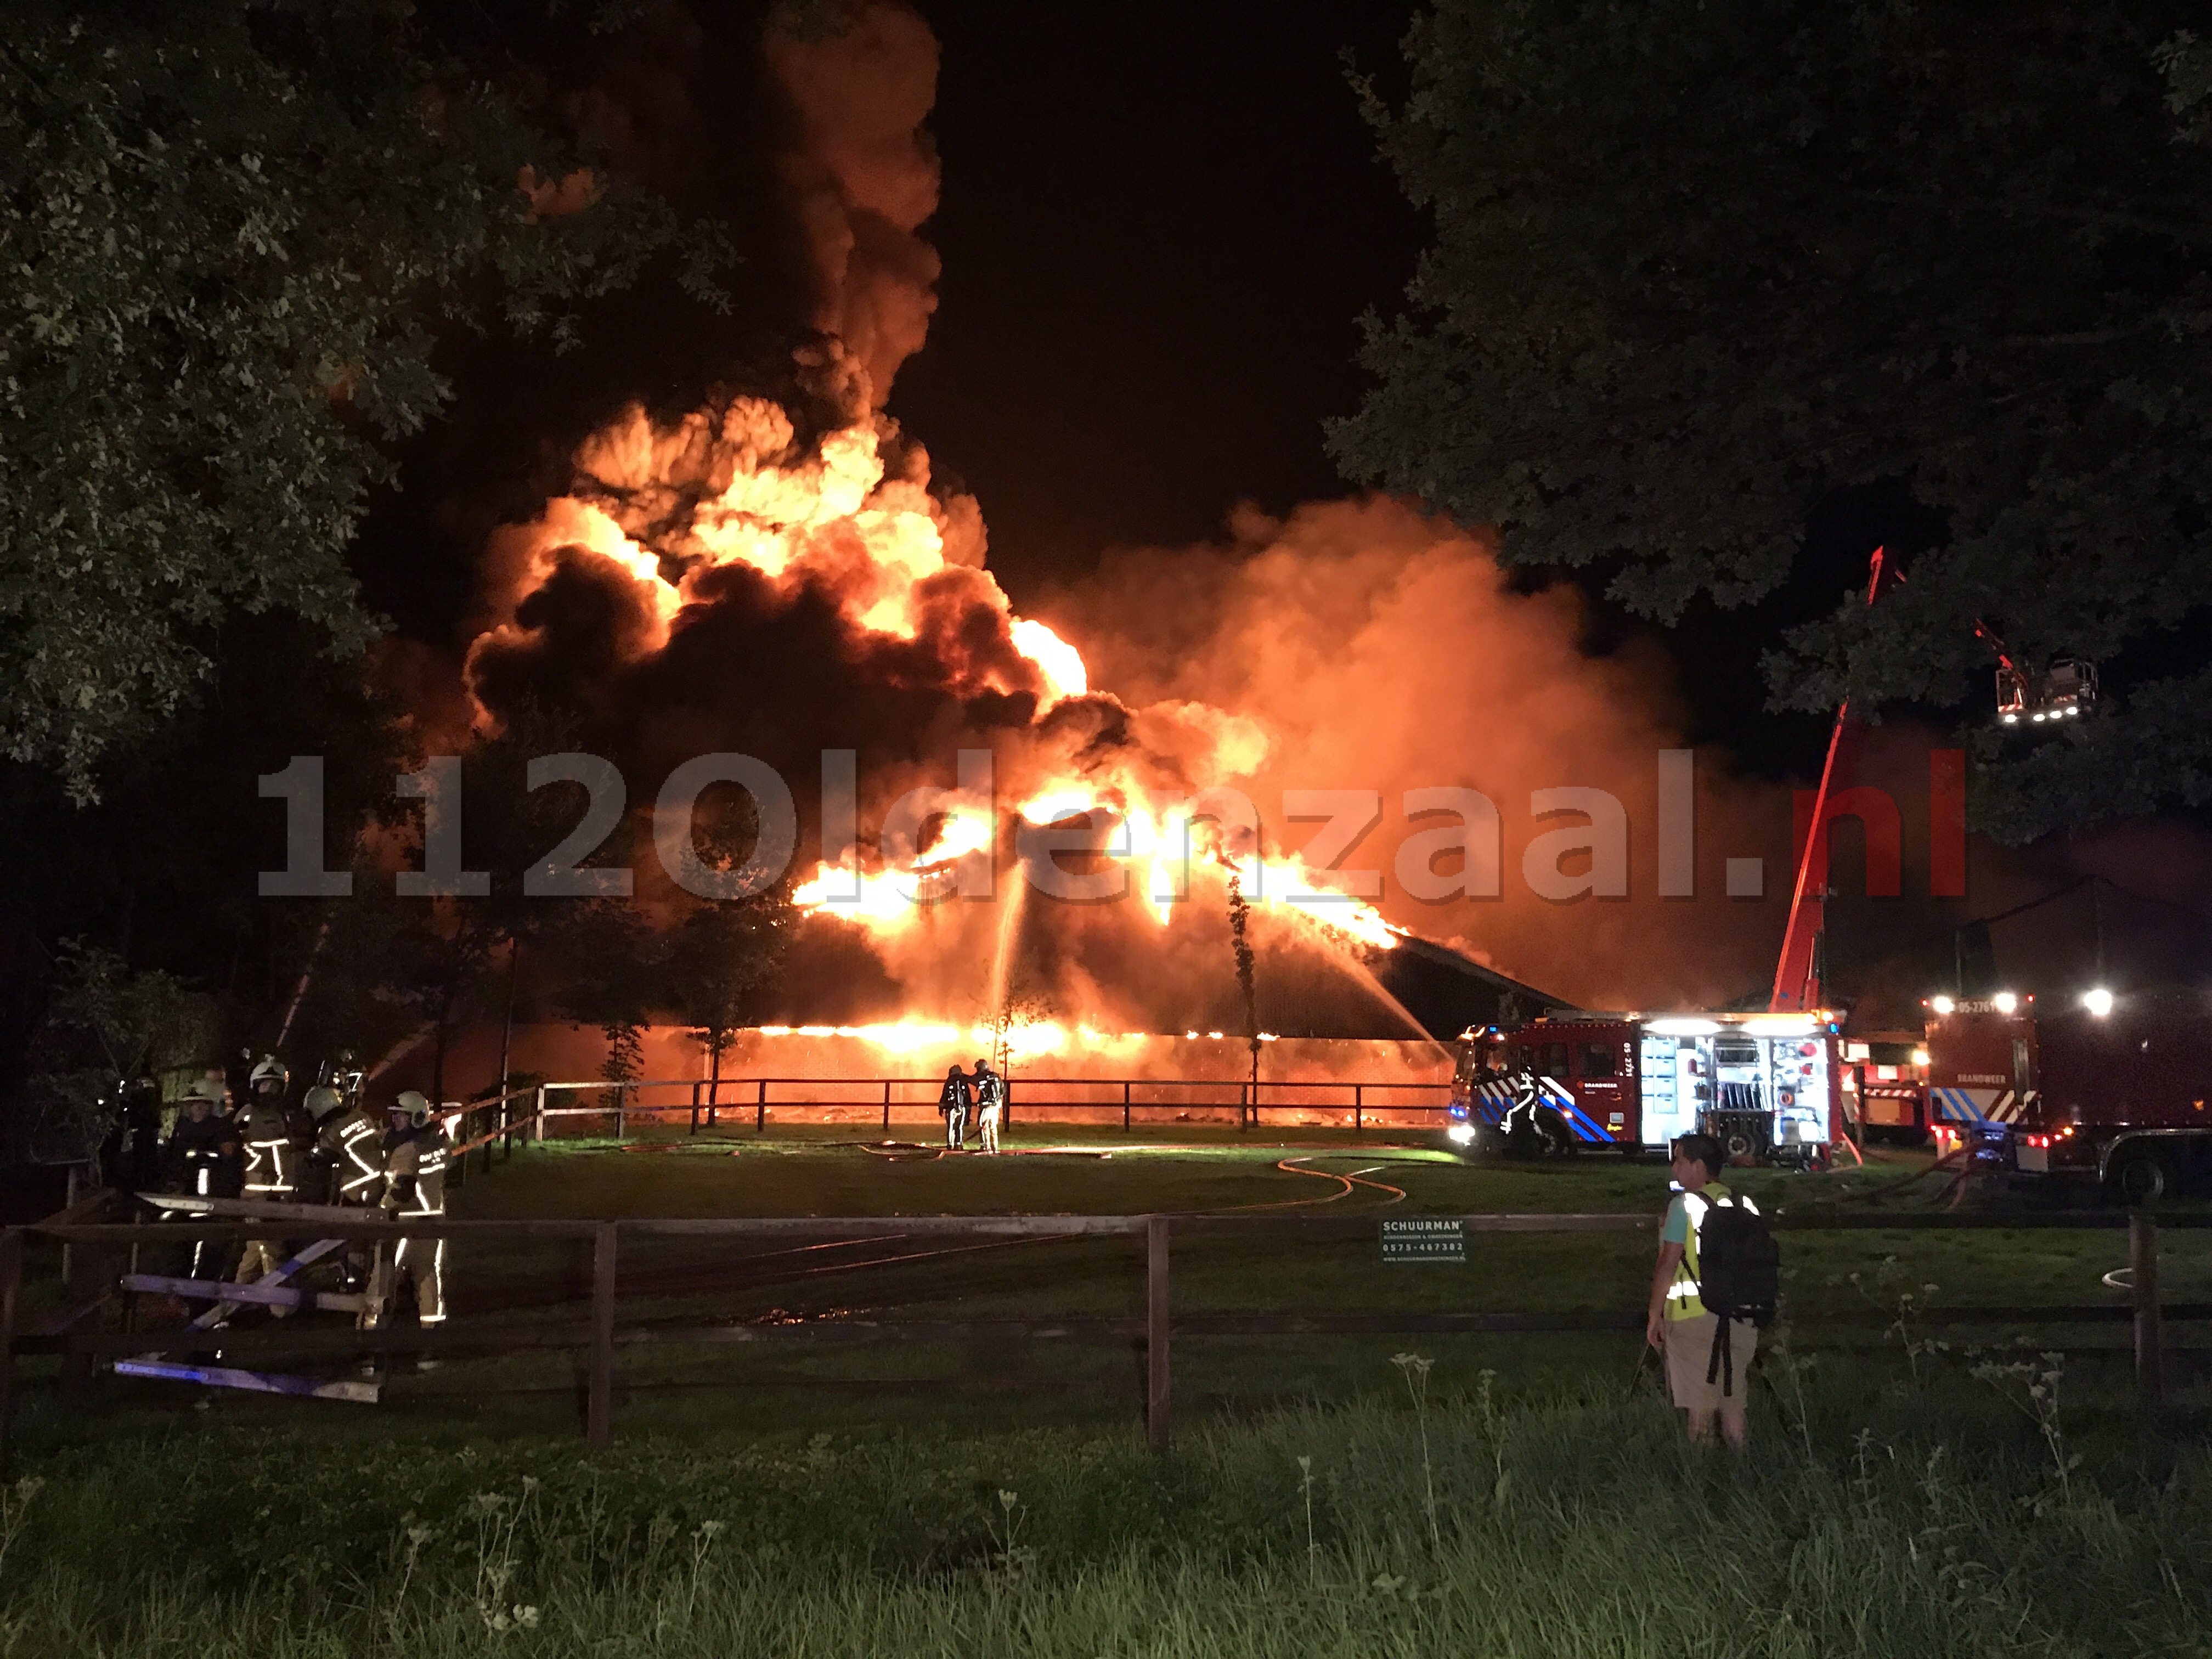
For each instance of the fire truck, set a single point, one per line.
(1981, 1072)
(1885, 1085)
(2113, 1089)
(1766, 1084)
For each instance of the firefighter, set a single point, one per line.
(342, 1073)
(415, 1186)
(321, 1106)
(132, 1154)
(272, 1159)
(953, 1100)
(348, 1147)
(354, 1139)
(203, 1154)
(990, 1103)
(272, 1164)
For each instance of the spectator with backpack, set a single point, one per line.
(1715, 1284)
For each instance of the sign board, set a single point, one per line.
(1437, 1238)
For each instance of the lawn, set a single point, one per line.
(1877, 1516)
(1512, 1494)
(1096, 1383)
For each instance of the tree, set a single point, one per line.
(228, 228)
(1023, 1003)
(1247, 990)
(612, 965)
(726, 949)
(1698, 264)
(721, 957)
(105, 1027)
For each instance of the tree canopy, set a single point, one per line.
(229, 230)
(1698, 264)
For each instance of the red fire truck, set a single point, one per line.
(2114, 1088)
(1766, 1084)
(1885, 1085)
(1981, 1072)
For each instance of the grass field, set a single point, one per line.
(786, 1174)
(1875, 1516)
(975, 1500)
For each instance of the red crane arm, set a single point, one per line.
(1797, 972)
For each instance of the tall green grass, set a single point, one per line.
(1872, 1517)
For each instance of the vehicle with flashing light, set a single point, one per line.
(1766, 1084)
(1981, 1072)
(2114, 1089)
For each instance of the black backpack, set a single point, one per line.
(1739, 1277)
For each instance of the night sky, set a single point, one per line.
(1159, 227)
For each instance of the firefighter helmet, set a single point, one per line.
(271, 1069)
(322, 1101)
(415, 1104)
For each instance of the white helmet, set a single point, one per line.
(415, 1104)
(322, 1101)
(271, 1066)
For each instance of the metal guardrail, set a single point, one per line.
(96, 1246)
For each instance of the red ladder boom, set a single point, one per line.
(1797, 973)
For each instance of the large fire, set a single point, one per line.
(784, 578)
(676, 509)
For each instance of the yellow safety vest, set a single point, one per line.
(1682, 1302)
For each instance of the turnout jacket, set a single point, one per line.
(352, 1140)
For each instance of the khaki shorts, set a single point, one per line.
(1690, 1350)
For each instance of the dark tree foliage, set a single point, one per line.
(720, 959)
(1699, 264)
(229, 229)
(725, 954)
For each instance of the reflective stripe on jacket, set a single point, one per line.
(354, 1144)
(269, 1150)
(415, 1175)
(1683, 1299)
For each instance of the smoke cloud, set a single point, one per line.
(863, 176)
(783, 578)
(1381, 649)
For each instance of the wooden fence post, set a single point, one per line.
(694, 1107)
(887, 1106)
(599, 1414)
(1155, 1332)
(760, 1110)
(539, 1119)
(2143, 1260)
(1125, 1107)
(1358, 1106)
(90, 1274)
(69, 1207)
(11, 1284)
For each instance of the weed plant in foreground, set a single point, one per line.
(1930, 1519)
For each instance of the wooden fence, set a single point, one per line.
(97, 1271)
